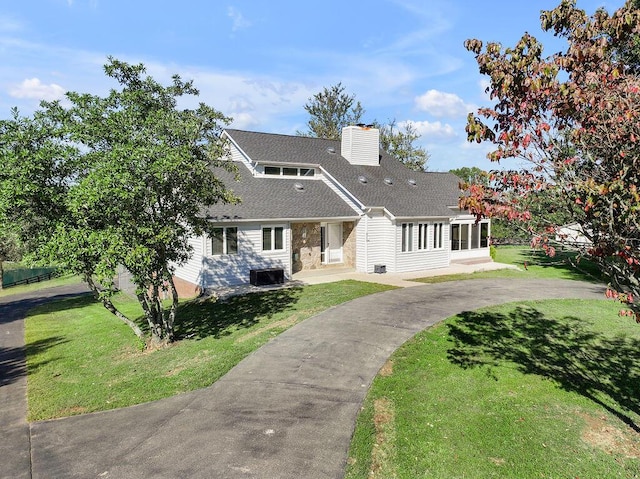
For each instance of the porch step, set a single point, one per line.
(325, 271)
(472, 261)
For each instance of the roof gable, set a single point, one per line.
(390, 184)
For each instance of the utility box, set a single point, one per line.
(261, 277)
(379, 268)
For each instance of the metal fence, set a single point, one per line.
(14, 277)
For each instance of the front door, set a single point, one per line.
(333, 247)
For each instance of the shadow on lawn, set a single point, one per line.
(204, 318)
(584, 269)
(603, 369)
(13, 360)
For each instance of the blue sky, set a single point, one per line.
(260, 62)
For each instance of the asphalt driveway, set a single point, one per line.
(286, 411)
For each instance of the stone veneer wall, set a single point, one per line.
(306, 251)
(349, 248)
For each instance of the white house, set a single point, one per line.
(310, 203)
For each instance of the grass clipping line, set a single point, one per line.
(383, 451)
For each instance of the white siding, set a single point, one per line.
(234, 269)
(361, 146)
(237, 155)
(375, 242)
(417, 260)
(190, 271)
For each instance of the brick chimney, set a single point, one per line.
(361, 145)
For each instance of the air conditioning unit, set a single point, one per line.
(379, 268)
(261, 277)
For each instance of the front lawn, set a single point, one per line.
(80, 358)
(531, 264)
(546, 389)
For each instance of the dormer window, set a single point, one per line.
(288, 171)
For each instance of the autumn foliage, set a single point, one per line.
(573, 118)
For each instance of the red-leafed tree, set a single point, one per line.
(573, 119)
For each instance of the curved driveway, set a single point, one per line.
(286, 411)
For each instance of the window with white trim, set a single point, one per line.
(423, 236)
(288, 171)
(455, 237)
(224, 240)
(272, 238)
(437, 236)
(484, 235)
(465, 236)
(407, 237)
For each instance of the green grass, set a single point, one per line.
(538, 265)
(51, 283)
(547, 389)
(81, 359)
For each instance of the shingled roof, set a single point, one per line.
(403, 192)
(277, 198)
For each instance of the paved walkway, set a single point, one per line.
(15, 442)
(286, 411)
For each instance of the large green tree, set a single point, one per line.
(400, 142)
(10, 248)
(331, 109)
(471, 174)
(113, 181)
(573, 119)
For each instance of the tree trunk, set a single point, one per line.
(174, 306)
(106, 302)
(151, 315)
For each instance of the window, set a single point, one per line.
(272, 170)
(224, 241)
(475, 236)
(455, 237)
(430, 236)
(273, 238)
(437, 236)
(288, 171)
(469, 236)
(484, 235)
(407, 236)
(423, 236)
(464, 236)
(479, 235)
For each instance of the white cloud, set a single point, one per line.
(430, 130)
(239, 21)
(92, 3)
(33, 88)
(244, 121)
(9, 24)
(442, 104)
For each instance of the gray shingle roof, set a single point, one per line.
(432, 195)
(277, 198)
